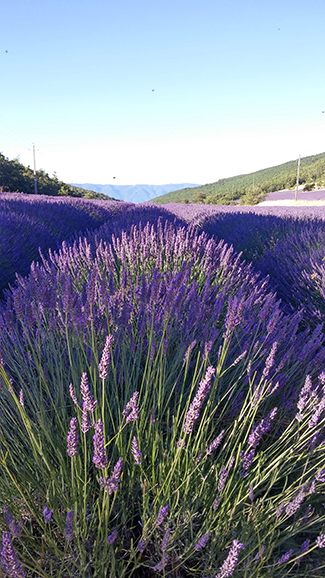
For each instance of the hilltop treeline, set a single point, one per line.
(16, 178)
(252, 188)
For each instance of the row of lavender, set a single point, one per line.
(286, 244)
(190, 440)
(29, 222)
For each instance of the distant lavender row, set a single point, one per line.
(28, 222)
(286, 244)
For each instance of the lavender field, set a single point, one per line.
(162, 390)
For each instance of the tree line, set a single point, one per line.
(16, 178)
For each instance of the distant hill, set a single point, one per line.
(251, 188)
(16, 178)
(135, 193)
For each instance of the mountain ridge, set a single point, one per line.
(139, 193)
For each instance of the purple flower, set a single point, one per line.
(135, 451)
(106, 357)
(162, 515)
(315, 417)
(47, 514)
(9, 559)
(165, 540)
(72, 438)
(86, 423)
(303, 396)
(215, 443)
(161, 565)
(261, 428)
(216, 502)
(320, 541)
(304, 547)
(100, 458)
(73, 394)
(111, 484)
(247, 459)
(88, 399)
(141, 545)
(228, 567)
(285, 557)
(189, 351)
(202, 541)
(69, 526)
(295, 504)
(112, 537)
(270, 359)
(279, 510)
(181, 444)
(131, 410)
(194, 409)
(320, 477)
(14, 528)
(222, 479)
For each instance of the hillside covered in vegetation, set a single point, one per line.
(16, 178)
(252, 188)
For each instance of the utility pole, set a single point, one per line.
(35, 179)
(298, 171)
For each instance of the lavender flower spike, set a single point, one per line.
(162, 515)
(261, 428)
(72, 438)
(285, 557)
(111, 484)
(14, 528)
(88, 399)
(135, 451)
(73, 394)
(112, 537)
(131, 410)
(161, 565)
(141, 545)
(47, 514)
(194, 409)
(228, 567)
(303, 396)
(86, 423)
(320, 541)
(9, 559)
(202, 541)
(69, 526)
(215, 443)
(100, 458)
(165, 540)
(106, 357)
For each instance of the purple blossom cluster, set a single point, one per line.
(131, 410)
(136, 451)
(100, 458)
(263, 427)
(72, 438)
(228, 567)
(106, 357)
(194, 409)
(9, 559)
(111, 484)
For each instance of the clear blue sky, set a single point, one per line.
(161, 91)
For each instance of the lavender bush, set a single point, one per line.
(160, 414)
